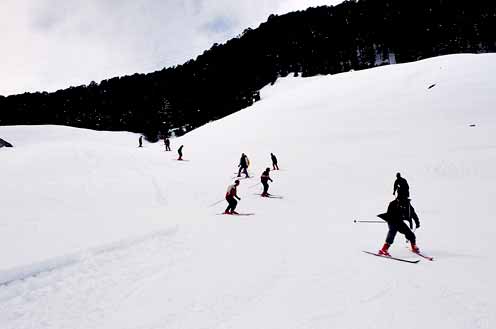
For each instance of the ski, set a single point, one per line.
(240, 214)
(393, 258)
(421, 255)
(424, 256)
(270, 196)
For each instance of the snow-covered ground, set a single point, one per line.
(97, 233)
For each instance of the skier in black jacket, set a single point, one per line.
(399, 211)
(180, 152)
(265, 178)
(243, 165)
(401, 186)
(274, 162)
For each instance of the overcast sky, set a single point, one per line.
(54, 44)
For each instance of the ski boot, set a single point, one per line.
(384, 250)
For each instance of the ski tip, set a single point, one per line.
(424, 256)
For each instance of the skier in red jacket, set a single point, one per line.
(231, 196)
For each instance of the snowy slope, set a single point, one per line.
(97, 233)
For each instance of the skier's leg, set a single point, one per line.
(265, 188)
(410, 236)
(389, 240)
(228, 209)
(405, 230)
(413, 240)
(391, 234)
(233, 206)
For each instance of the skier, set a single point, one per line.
(265, 181)
(274, 162)
(399, 211)
(140, 141)
(401, 185)
(180, 152)
(243, 165)
(231, 196)
(167, 143)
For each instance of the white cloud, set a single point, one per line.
(53, 44)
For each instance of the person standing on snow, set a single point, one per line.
(401, 185)
(180, 152)
(231, 196)
(140, 141)
(265, 178)
(243, 165)
(274, 162)
(399, 211)
(167, 143)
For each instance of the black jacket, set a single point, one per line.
(265, 177)
(399, 211)
(401, 185)
(242, 162)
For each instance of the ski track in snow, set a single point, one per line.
(106, 278)
(8, 277)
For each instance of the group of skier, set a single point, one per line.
(399, 211)
(232, 197)
(167, 146)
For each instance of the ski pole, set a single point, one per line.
(215, 203)
(254, 185)
(368, 221)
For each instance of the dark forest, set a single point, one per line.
(226, 78)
